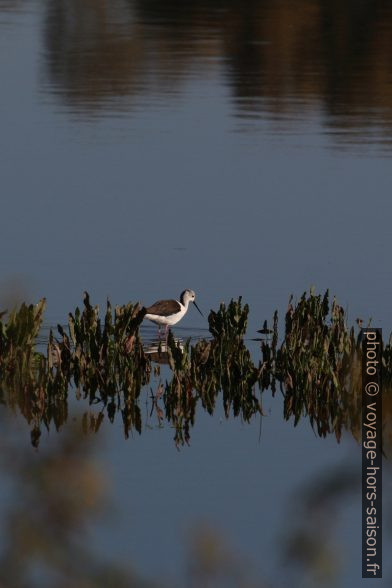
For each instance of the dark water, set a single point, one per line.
(235, 148)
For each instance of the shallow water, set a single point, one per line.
(232, 148)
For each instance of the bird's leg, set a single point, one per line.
(166, 332)
(159, 332)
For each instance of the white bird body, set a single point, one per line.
(169, 319)
(170, 312)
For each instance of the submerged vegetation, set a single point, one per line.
(315, 365)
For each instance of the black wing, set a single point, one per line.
(164, 307)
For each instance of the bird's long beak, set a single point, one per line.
(198, 308)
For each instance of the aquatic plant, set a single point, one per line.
(22, 367)
(313, 364)
(229, 323)
(201, 372)
(105, 361)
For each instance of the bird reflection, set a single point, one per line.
(157, 350)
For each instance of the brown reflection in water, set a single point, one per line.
(277, 56)
(93, 49)
(10, 5)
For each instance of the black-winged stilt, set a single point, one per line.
(169, 312)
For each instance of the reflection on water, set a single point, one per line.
(10, 5)
(280, 60)
(158, 350)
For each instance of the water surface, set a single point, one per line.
(232, 148)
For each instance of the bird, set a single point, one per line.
(170, 312)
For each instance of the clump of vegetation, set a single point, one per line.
(22, 367)
(105, 361)
(18, 337)
(229, 323)
(317, 367)
(201, 372)
(313, 363)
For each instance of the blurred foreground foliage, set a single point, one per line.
(53, 499)
(57, 494)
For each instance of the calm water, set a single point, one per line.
(233, 148)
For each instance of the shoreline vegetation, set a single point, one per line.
(315, 365)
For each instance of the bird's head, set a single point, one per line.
(189, 296)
